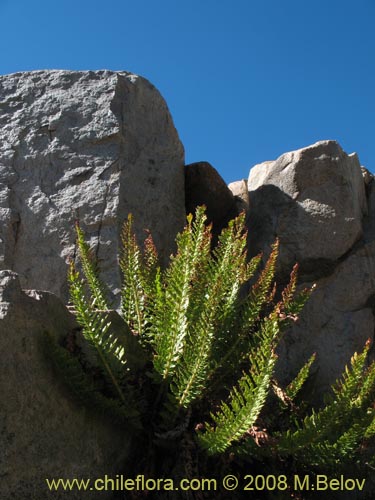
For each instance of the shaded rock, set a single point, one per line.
(93, 146)
(205, 186)
(44, 433)
(367, 176)
(240, 192)
(369, 221)
(314, 200)
(336, 321)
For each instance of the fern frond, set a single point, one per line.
(97, 288)
(246, 399)
(252, 267)
(83, 389)
(262, 288)
(151, 266)
(246, 315)
(171, 322)
(296, 384)
(345, 413)
(133, 294)
(351, 384)
(214, 299)
(191, 374)
(349, 442)
(290, 289)
(95, 329)
(295, 306)
(292, 303)
(366, 396)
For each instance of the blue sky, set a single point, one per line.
(245, 80)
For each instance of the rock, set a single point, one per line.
(44, 433)
(93, 146)
(367, 176)
(369, 221)
(336, 321)
(313, 200)
(240, 192)
(204, 186)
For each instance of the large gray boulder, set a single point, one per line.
(92, 146)
(320, 204)
(313, 200)
(44, 433)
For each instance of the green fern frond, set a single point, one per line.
(292, 303)
(366, 394)
(252, 267)
(333, 423)
(244, 317)
(214, 299)
(349, 442)
(97, 288)
(198, 326)
(191, 374)
(328, 453)
(261, 290)
(351, 384)
(95, 329)
(170, 327)
(133, 294)
(296, 384)
(246, 399)
(82, 387)
(295, 306)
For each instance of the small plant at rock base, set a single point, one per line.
(192, 366)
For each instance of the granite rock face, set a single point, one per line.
(320, 204)
(92, 146)
(313, 199)
(44, 433)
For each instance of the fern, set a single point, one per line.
(247, 398)
(296, 384)
(94, 321)
(80, 384)
(214, 297)
(200, 343)
(133, 289)
(90, 271)
(246, 315)
(341, 424)
(287, 396)
(171, 324)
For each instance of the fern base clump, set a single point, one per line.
(189, 366)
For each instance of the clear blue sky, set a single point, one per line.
(245, 80)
